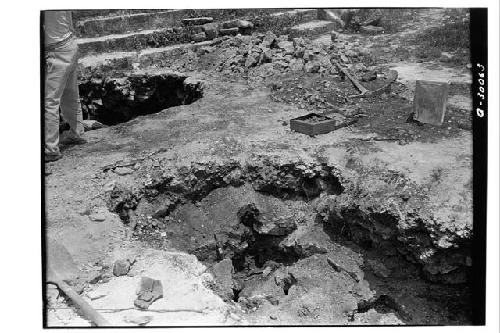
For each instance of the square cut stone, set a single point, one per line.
(429, 102)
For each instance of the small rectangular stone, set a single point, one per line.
(429, 102)
(229, 31)
(197, 20)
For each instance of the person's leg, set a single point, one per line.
(70, 100)
(56, 75)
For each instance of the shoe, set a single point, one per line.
(69, 141)
(52, 157)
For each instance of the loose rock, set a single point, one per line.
(122, 171)
(110, 186)
(197, 21)
(370, 76)
(286, 46)
(149, 291)
(242, 24)
(267, 271)
(369, 29)
(269, 40)
(199, 37)
(97, 217)
(229, 32)
(93, 295)
(121, 267)
(275, 227)
(137, 320)
(52, 294)
(223, 277)
(89, 125)
(211, 30)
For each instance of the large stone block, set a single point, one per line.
(429, 102)
(223, 278)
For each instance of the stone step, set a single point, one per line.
(136, 41)
(314, 28)
(107, 62)
(132, 21)
(281, 22)
(119, 24)
(127, 61)
(197, 20)
(149, 58)
(85, 14)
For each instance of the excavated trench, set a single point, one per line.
(116, 100)
(277, 248)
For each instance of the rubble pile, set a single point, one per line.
(263, 55)
(270, 53)
(325, 94)
(266, 54)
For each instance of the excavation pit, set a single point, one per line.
(263, 233)
(117, 100)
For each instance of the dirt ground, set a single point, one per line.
(380, 235)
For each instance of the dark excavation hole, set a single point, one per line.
(365, 243)
(336, 229)
(117, 100)
(294, 181)
(266, 249)
(382, 304)
(262, 249)
(306, 189)
(384, 219)
(236, 293)
(332, 185)
(238, 262)
(248, 214)
(288, 282)
(246, 238)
